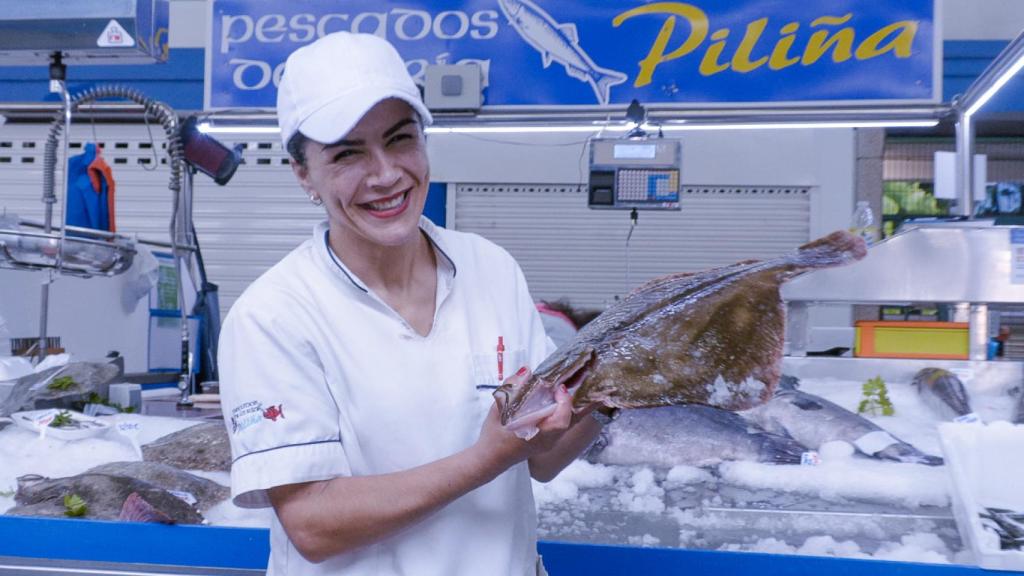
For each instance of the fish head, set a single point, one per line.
(511, 8)
(526, 398)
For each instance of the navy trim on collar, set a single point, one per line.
(327, 245)
(455, 269)
(433, 242)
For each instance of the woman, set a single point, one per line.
(356, 373)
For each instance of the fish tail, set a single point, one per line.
(903, 452)
(602, 80)
(136, 509)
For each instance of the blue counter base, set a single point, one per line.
(247, 549)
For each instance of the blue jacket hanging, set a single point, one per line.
(90, 191)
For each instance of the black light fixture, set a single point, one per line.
(207, 155)
(637, 114)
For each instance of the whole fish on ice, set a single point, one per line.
(204, 446)
(943, 392)
(559, 43)
(712, 337)
(105, 495)
(690, 434)
(813, 421)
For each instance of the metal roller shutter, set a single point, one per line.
(569, 251)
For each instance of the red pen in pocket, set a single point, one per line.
(501, 359)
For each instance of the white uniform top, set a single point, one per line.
(320, 378)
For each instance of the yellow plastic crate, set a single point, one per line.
(935, 340)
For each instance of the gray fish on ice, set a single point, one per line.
(33, 390)
(202, 493)
(813, 421)
(690, 434)
(201, 447)
(943, 392)
(104, 496)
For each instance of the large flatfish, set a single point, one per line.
(104, 496)
(712, 337)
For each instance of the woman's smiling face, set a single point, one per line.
(374, 181)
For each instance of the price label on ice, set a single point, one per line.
(1017, 256)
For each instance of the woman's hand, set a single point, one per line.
(504, 449)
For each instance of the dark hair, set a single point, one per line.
(297, 147)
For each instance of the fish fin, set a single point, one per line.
(839, 247)
(787, 382)
(527, 433)
(569, 29)
(778, 449)
(545, 58)
(903, 452)
(593, 452)
(136, 509)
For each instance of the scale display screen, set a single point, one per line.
(634, 151)
(627, 174)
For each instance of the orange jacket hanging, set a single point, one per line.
(100, 174)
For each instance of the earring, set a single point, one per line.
(316, 200)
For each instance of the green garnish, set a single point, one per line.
(63, 418)
(876, 398)
(74, 506)
(94, 398)
(62, 383)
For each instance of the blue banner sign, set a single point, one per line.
(586, 53)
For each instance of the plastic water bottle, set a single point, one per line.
(863, 223)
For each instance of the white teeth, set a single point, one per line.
(388, 204)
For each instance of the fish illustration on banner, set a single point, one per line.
(608, 53)
(559, 43)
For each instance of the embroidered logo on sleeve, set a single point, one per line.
(274, 412)
(251, 413)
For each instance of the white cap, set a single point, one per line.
(330, 84)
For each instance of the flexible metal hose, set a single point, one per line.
(155, 109)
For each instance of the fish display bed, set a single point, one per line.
(847, 506)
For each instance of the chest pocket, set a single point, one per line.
(490, 369)
(486, 372)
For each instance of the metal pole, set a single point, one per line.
(1004, 66)
(977, 332)
(181, 229)
(797, 329)
(965, 164)
(56, 85)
